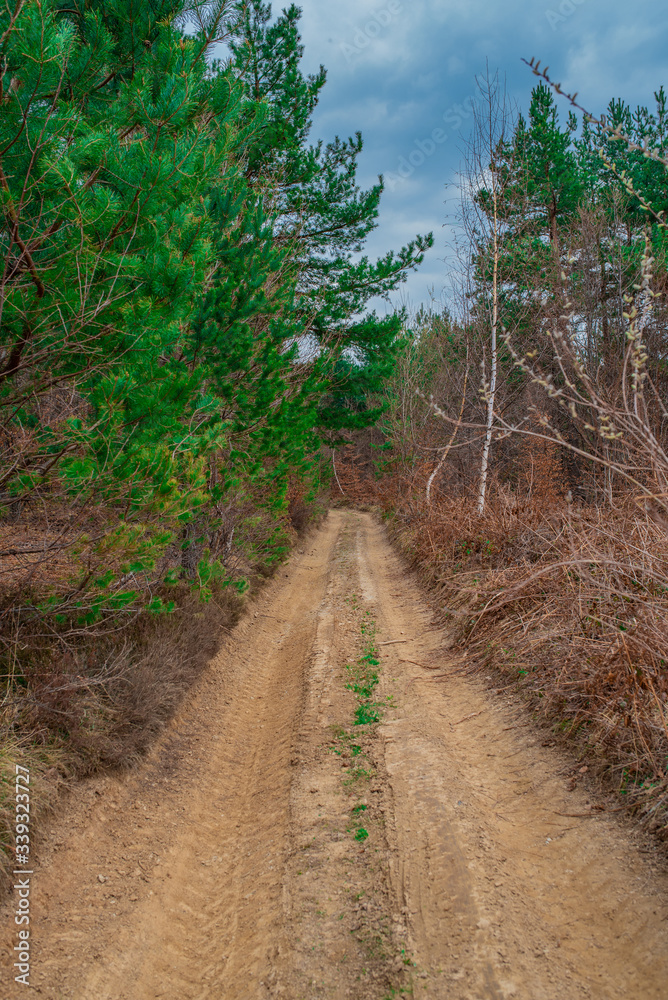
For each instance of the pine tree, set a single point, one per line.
(322, 218)
(111, 129)
(540, 187)
(551, 179)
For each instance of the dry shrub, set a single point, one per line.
(49, 767)
(353, 482)
(109, 700)
(102, 702)
(298, 513)
(303, 510)
(540, 475)
(569, 601)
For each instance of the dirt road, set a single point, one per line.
(271, 847)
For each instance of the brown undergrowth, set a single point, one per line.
(570, 602)
(96, 696)
(101, 703)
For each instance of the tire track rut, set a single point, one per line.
(224, 867)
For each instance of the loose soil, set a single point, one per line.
(270, 847)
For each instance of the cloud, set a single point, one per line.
(397, 73)
(622, 61)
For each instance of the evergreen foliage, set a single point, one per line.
(572, 230)
(184, 296)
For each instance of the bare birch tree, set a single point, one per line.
(482, 222)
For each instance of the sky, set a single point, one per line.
(400, 69)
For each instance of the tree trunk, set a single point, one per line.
(491, 392)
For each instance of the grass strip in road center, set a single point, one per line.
(364, 675)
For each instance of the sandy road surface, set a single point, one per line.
(227, 866)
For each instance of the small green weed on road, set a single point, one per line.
(364, 676)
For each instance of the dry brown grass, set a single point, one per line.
(101, 704)
(86, 698)
(570, 602)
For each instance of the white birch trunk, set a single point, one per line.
(491, 392)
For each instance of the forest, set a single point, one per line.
(192, 372)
